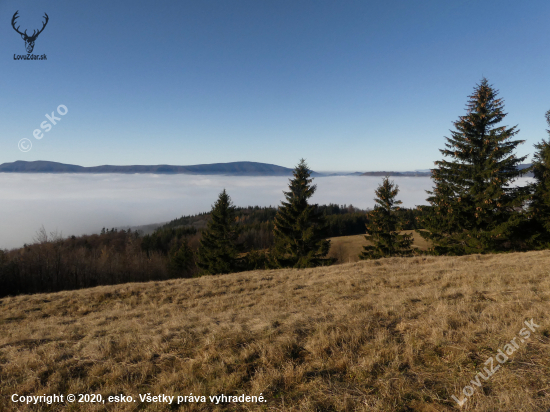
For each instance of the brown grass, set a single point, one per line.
(400, 334)
(346, 249)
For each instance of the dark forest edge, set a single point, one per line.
(53, 263)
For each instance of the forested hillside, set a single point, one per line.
(114, 256)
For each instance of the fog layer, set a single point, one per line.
(75, 204)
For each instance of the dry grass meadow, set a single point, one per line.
(399, 334)
(346, 249)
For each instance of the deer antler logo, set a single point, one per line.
(29, 40)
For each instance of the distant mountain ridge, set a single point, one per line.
(413, 174)
(244, 168)
(231, 168)
(426, 172)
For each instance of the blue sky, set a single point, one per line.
(348, 85)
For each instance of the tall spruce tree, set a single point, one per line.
(472, 208)
(539, 207)
(299, 228)
(383, 226)
(218, 251)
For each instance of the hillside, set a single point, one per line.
(231, 168)
(346, 249)
(400, 334)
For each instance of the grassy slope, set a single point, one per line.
(347, 248)
(401, 334)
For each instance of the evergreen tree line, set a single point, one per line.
(300, 231)
(256, 226)
(474, 206)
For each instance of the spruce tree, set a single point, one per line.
(181, 262)
(472, 208)
(299, 228)
(383, 226)
(539, 207)
(218, 251)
